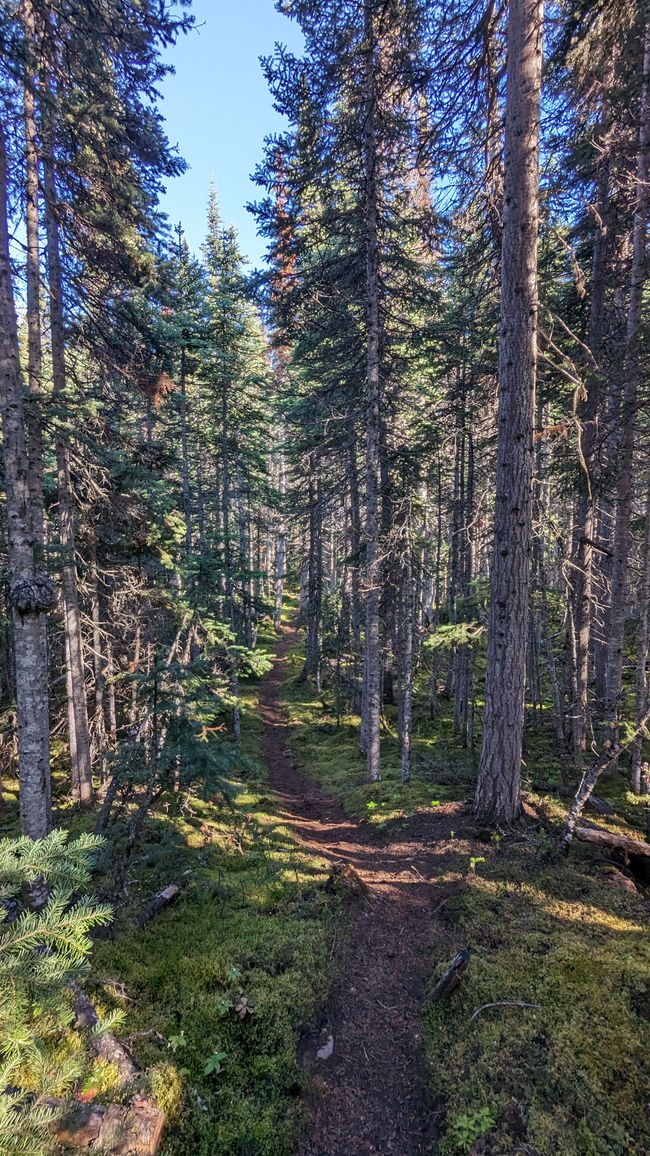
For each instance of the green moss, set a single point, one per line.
(167, 1089)
(329, 751)
(577, 1066)
(239, 966)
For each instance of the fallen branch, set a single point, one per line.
(501, 1003)
(589, 779)
(608, 839)
(162, 899)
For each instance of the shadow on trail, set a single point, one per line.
(371, 1079)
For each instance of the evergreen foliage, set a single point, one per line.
(42, 950)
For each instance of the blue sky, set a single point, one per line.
(218, 110)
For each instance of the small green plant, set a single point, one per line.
(214, 1064)
(544, 841)
(465, 1130)
(176, 1042)
(225, 1005)
(474, 861)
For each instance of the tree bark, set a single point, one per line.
(585, 516)
(642, 686)
(185, 457)
(82, 771)
(312, 662)
(625, 455)
(406, 729)
(29, 622)
(499, 781)
(281, 538)
(372, 663)
(33, 286)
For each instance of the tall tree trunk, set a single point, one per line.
(315, 580)
(372, 664)
(244, 555)
(99, 660)
(82, 772)
(585, 515)
(225, 506)
(640, 779)
(625, 455)
(185, 457)
(281, 538)
(31, 593)
(33, 285)
(499, 780)
(406, 729)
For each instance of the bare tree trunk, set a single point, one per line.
(625, 455)
(281, 538)
(406, 729)
(82, 774)
(499, 781)
(372, 664)
(99, 660)
(315, 581)
(33, 285)
(185, 459)
(642, 685)
(355, 545)
(585, 517)
(244, 555)
(31, 593)
(225, 506)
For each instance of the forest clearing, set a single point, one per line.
(325, 578)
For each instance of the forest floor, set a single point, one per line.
(395, 1074)
(366, 1053)
(279, 1007)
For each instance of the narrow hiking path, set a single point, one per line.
(371, 1076)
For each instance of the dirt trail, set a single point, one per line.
(373, 1088)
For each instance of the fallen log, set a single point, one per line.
(162, 899)
(450, 979)
(615, 842)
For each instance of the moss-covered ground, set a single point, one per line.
(218, 988)
(569, 1077)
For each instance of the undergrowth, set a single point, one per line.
(568, 1077)
(219, 987)
(442, 772)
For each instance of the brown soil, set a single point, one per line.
(372, 1091)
